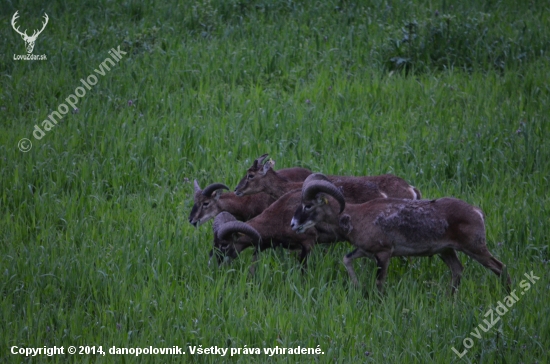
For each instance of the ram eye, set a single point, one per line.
(307, 207)
(250, 176)
(205, 204)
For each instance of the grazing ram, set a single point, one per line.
(385, 228)
(269, 229)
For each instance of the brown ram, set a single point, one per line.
(269, 229)
(385, 228)
(211, 201)
(263, 179)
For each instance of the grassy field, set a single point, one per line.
(95, 247)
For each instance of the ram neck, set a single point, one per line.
(330, 232)
(281, 186)
(357, 214)
(240, 207)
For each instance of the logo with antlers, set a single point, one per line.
(29, 41)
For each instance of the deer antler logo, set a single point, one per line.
(29, 41)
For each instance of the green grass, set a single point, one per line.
(95, 244)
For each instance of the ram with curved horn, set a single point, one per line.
(211, 201)
(384, 228)
(269, 229)
(224, 231)
(262, 178)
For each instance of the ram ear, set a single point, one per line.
(267, 166)
(196, 186)
(345, 223)
(259, 160)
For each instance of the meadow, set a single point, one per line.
(95, 246)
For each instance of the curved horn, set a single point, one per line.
(315, 177)
(259, 160)
(221, 219)
(208, 190)
(313, 188)
(239, 227)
